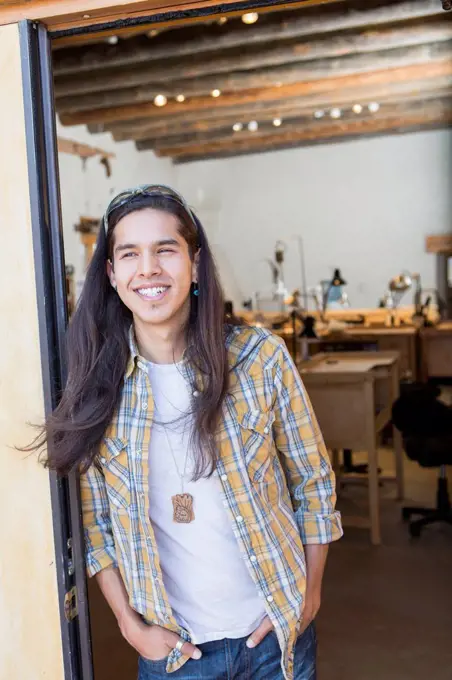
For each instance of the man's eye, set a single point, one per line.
(166, 250)
(128, 255)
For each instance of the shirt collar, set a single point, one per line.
(134, 355)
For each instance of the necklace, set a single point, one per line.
(183, 512)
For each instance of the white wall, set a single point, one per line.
(364, 206)
(86, 190)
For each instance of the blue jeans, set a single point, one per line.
(232, 660)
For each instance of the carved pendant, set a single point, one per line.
(183, 508)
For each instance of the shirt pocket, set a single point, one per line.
(257, 440)
(115, 462)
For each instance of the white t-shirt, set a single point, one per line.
(209, 587)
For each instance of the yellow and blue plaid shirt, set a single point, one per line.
(277, 484)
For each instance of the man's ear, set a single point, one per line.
(111, 274)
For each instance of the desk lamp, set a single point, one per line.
(336, 282)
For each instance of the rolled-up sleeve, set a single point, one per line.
(303, 454)
(99, 542)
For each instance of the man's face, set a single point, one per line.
(151, 267)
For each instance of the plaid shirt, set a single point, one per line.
(277, 485)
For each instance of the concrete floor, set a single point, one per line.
(386, 612)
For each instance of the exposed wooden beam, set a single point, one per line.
(261, 61)
(400, 110)
(81, 150)
(328, 133)
(277, 27)
(289, 146)
(434, 69)
(295, 120)
(142, 128)
(260, 77)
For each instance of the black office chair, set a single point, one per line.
(426, 427)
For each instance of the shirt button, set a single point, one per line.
(144, 407)
(253, 558)
(239, 519)
(196, 393)
(266, 430)
(224, 478)
(270, 598)
(103, 461)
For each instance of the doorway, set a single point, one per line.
(392, 78)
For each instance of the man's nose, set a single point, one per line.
(149, 264)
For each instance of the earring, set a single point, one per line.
(196, 290)
(114, 286)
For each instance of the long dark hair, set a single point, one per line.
(98, 351)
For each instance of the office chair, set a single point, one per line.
(426, 427)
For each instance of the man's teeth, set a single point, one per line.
(152, 292)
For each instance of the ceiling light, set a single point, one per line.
(87, 16)
(113, 40)
(253, 126)
(277, 122)
(180, 98)
(373, 107)
(160, 100)
(215, 93)
(250, 17)
(335, 113)
(319, 114)
(153, 33)
(222, 20)
(357, 108)
(237, 127)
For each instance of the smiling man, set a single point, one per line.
(208, 496)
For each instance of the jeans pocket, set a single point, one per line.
(151, 670)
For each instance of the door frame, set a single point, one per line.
(62, 15)
(47, 235)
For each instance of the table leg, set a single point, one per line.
(397, 436)
(398, 455)
(374, 495)
(335, 461)
(373, 475)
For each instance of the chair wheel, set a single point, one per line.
(405, 514)
(415, 530)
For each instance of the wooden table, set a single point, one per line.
(352, 394)
(436, 351)
(402, 340)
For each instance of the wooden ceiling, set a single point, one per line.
(317, 73)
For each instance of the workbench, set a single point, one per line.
(402, 340)
(436, 351)
(352, 394)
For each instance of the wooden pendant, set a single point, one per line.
(183, 508)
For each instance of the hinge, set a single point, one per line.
(71, 604)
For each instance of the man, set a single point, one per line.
(208, 496)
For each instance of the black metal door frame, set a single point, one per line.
(44, 191)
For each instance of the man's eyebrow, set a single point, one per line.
(125, 246)
(162, 242)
